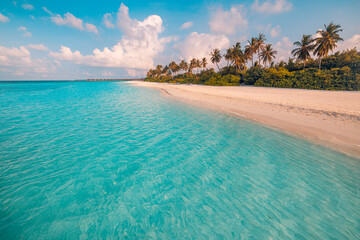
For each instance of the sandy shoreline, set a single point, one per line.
(325, 117)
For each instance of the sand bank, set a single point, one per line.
(330, 118)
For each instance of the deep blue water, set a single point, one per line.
(107, 160)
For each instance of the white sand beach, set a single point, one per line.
(330, 118)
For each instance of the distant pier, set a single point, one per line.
(115, 80)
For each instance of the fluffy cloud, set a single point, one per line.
(199, 45)
(350, 43)
(186, 25)
(283, 48)
(27, 6)
(228, 21)
(70, 20)
(107, 19)
(19, 61)
(40, 47)
(4, 18)
(139, 45)
(275, 32)
(272, 6)
(91, 28)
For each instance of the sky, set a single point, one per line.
(68, 40)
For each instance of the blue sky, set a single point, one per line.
(113, 39)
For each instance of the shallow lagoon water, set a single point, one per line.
(107, 160)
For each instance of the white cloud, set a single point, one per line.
(283, 48)
(200, 45)
(40, 47)
(275, 32)
(228, 21)
(27, 6)
(350, 43)
(272, 6)
(91, 28)
(19, 61)
(70, 20)
(22, 28)
(139, 45)
(4, 18)
(107, 19)
(186, 25)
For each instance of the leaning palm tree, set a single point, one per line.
(204, 63)
(304, 47)
(250, 49)
(268, 54)
(260, 44)
(216, 57)
(327, 40)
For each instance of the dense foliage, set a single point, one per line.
(339, 71)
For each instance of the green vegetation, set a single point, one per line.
(339, 71)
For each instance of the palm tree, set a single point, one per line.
(216, 57)
(192, 65)
(198, 64)
(228, 55)
(260, 43)
(238, 57)
(173, 67)
(183, 65)
(204, 63)
(304, 47)
(268, 54)
(250, 49)
(159, 69)
(327, 40)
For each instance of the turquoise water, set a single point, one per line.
(107, 160)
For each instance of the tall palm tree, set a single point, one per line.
(216, 57)
(260, 44)
(228, 55)
(192, 65)
(268, 54)
(250, 49)
(183, 65)
(198, 64)
(304, 47)
(327, 40)
(173, 68)
(159, 69)
(204, 63)
(238, 57)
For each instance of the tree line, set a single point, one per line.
(254, 65)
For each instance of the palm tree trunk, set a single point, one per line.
(304, 64)
(218, 67)
(259, 58)
(252, 60)
(320, 63)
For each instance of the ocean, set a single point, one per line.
(108, 160)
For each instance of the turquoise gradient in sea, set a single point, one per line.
(107, 160)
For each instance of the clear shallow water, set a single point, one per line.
(108, 160)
